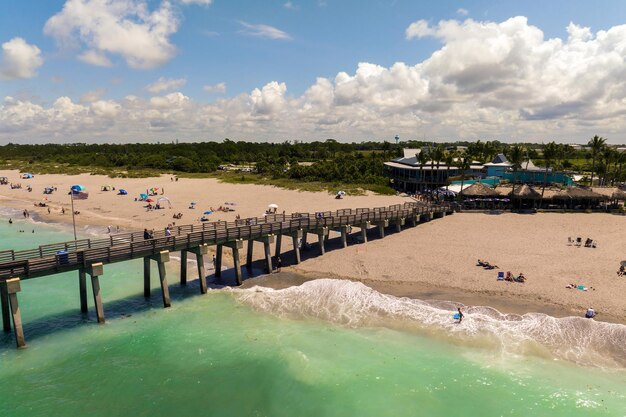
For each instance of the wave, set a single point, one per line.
(353, 304)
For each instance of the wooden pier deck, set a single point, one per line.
(88, 256)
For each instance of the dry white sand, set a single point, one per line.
(443, 253)
(107, 208)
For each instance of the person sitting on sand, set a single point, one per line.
(520, 277)
(591, 313)
(588, 242)
(621, 271)
(508, 276)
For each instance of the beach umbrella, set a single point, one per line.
(273, 206)
(341, 193)
(77, 188)
(208, 212)
(122, 192)
(143, 196)
(193, 203)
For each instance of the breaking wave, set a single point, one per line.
(347, 303)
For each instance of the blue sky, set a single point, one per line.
(215, 55)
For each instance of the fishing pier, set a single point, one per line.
(88, 256)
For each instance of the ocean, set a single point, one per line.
(326, 348)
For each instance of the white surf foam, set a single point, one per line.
(353, 304)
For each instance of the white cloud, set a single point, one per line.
(215, 88)
(461, 11)
(163, 84)
(199, 2)
(127, 28)
(92, 96)
(418, 29)
(19, 60)
(290, 6)
(263, 31)
(95, 58)
(499, 80)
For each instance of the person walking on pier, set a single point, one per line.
(146, 234)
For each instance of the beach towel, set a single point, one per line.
(581, 287)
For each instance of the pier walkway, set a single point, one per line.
(88, 256)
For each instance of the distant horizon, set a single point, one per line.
(291, 141)
(146, 71)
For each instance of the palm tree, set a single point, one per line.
(448, 158)
(438, 155)
(550, 152)
(422, 158)
(464, 165)
(596, 143)
(516, 156)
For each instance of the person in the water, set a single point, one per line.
(460, 314)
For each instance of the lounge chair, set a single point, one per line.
(501, 276)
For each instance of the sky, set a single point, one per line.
(162, 70)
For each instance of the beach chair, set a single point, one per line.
(579, 241)
(569, 241)
(501, 276)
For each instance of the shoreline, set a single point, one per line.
(503, 303)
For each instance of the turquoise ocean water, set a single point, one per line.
(327, 348)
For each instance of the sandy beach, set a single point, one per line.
(434, 260)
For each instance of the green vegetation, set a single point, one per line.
(327, 165)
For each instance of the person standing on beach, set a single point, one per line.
(279, 263)
(460, 314)
(213, 261)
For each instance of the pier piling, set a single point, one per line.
(95, 271)
(183, 268)
(6, 315)
(13, 286)
(82, 289)
(200, 251)
(161, 258)
(146, 277)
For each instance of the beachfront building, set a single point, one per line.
(529, 173)
(409, 174)
(498, 167)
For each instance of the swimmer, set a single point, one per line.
(460, 314)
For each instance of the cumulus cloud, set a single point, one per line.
(93, 95)
(418, 29)
(461, 11)
(290, 6)
(501, 80)
(100, 29)
(215, 88)
(200, 2)
(263, 31)
(164, 84)
(19, 59)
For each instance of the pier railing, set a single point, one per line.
(75, 254)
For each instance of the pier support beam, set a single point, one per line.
(381, 227)
(218, 261)
(183, 268)
(296, 237)
(235, 246)
(200, 251)
(250, 254)
(146, 277)
(321, 234)
(6, 315)
(95, 271)
(279, 240)
(399, 222)
(82, 289)
(363, 227)
(12, 288)
(267, 241)
(344, 235)
(413, 220)
(438, 214)
(161, 258)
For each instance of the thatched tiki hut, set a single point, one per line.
(578, 198)
(479, 195)
(525, 197)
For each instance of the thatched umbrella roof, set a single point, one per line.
(478, 189)
(525, 192)
(577, 193)
(619, 195)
